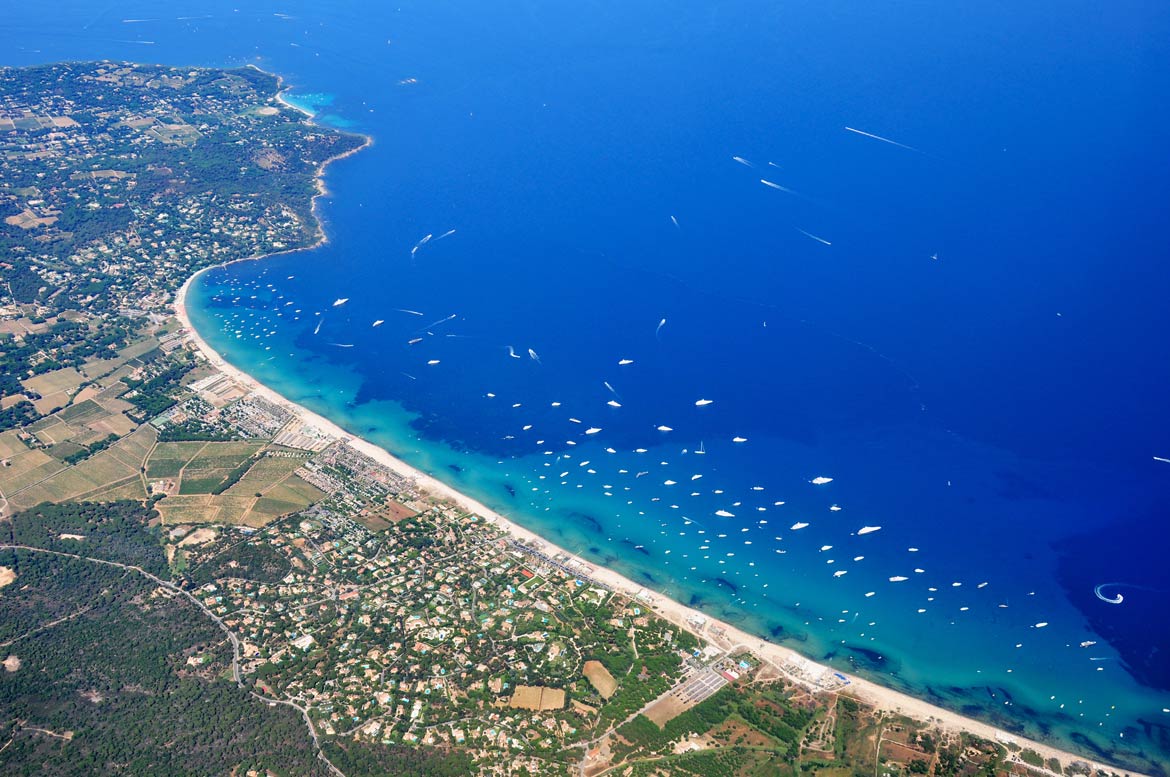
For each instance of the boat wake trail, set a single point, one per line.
(1108, 599)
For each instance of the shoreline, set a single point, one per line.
(781, 659)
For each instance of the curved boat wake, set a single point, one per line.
(1118, 599)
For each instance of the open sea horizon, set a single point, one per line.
(845, 324)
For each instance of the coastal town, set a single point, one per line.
(399, 626)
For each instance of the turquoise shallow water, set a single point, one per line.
(677, 544)
(996, 408)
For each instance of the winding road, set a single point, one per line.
(218, 621)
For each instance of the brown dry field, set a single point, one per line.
(10, 444)
(21, 468)
(111, 403)
(396, 511)
(537, 697)
(373, 522)
(666, 709)
(104, 468)
(901, 753)
(66, 484)
(65, 379)
(131, 488)
(26, 219)
(600, 678)
(86, 394)
(49, 401)
(114, 424)
(205, 508)
(735, 731)
(12, 399)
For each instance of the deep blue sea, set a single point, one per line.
(919, 249)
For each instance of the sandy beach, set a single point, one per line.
(785, 661)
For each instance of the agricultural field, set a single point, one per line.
(108, 397)
(267, 509)
(51, 430)
(203, 508)
(168, 458)
(535, 697)
(81, 413)
(34, 477)
(79, 426)
(23, 469)
(214, 465)
(93, 474)
(140, 348)
(224, 455)
(10, 444)
(202, 481)
(281, 493)
(265, 474)
(128, 489)
(600, 678)
(56, 388)
(134, 448)
(55, 382)
(96, 368)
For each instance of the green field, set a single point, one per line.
(267, 509)
(141, 348)
(82, 414)
(64, 450)
(104, 468)
(93, 474)
(112, 391)
(224, 455)
(168, 458)
(202, 481)
(51, 431)
(42, 424)
(293, 489)
(240, 507)
(164, 468)
(99, 368)
(264, 475)
(133, 448)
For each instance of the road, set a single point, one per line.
(218, 621)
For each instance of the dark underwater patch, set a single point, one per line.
(1130, 554)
